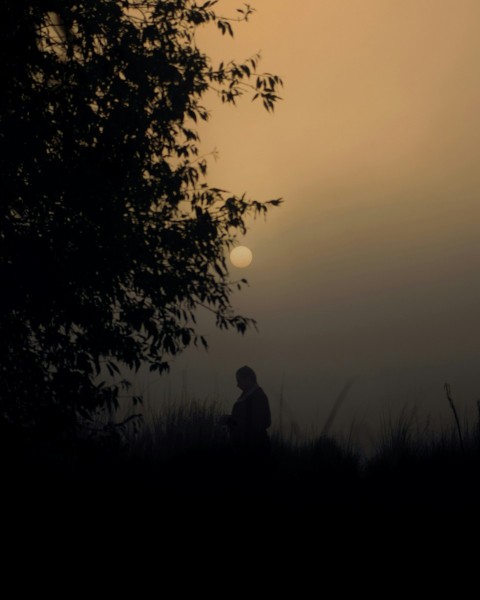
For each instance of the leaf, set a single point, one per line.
(105, 211)
(218, 269)
(112, 368)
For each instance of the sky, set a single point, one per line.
(370, 267)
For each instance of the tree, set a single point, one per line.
(110, 237)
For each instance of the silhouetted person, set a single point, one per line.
(250, 418)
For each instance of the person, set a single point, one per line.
(250, 417)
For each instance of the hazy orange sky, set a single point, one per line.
(370, 268)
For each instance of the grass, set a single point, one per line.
(410, 464)
(178, 460)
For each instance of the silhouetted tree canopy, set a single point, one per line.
(110, 236)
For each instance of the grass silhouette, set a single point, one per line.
(178, 461)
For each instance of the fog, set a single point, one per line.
(370, 268)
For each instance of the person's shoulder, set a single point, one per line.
(259, 393)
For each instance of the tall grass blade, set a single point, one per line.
(336, 407)
(455, 414)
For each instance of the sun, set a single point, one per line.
(241, 257)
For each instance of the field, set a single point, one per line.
(179, 463)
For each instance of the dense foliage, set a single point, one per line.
(110, 237)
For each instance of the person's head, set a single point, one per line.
(246, 378)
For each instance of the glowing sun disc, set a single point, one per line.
(241, 257)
